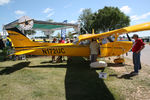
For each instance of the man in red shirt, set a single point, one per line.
(136, 49)
(59, 59)
(61, 40)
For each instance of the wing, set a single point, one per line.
(134, 28)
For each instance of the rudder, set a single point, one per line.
(18, 39)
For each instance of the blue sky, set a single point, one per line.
(60, 10)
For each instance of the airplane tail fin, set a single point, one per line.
(19, 40)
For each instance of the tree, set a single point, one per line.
(29, 32)
(50, 20)
(110, 18)
(70, 35)
(86, 18)
(58, 35)
(106, 19)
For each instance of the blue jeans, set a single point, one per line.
(136, 61)
(93, 57)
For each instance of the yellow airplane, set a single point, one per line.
(24, 45)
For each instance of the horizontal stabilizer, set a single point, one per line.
(23, 52)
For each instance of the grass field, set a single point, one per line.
(38, 79)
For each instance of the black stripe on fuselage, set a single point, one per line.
(16, 30)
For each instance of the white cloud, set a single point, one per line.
(20, 12)
(144, 16)
(2, 2)
(125, 9)
(81, 9)
(50, 14)
(47, 10)
(73, 21)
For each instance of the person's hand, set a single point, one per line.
(137, 51)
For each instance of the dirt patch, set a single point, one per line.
(131, 87)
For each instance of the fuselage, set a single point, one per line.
(57, 49)
(22, 43)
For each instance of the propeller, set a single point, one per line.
(25, 23)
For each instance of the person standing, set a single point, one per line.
(9, 46)
(59, 59)
(67, 41)
(53, 57)
(136, 49)
(61, 40)
(1, 44)
(94, 50)
(8, 43)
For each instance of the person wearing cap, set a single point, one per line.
(136, 49)
(67, 40)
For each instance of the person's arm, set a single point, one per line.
(141, 49)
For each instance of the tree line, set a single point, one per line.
(106, 19)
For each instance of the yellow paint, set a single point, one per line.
(23, 45)
(93, 31)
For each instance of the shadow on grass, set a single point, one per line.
(124, 76)
(46, 62)
(49, 66)
(117, 65)
(14, 68)
(82, 83)
(127, 76)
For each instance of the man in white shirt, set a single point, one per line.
(94, 50)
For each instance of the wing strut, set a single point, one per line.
(128, 37)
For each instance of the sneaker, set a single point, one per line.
(134, 73)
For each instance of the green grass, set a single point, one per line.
(38, 79)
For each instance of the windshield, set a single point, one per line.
(76, 41)
(85, 42)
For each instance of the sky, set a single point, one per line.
(60, 10)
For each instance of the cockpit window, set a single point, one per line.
(108, 39)
(111, 38)
(85, 42)
(123, 38)
(76, 41)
